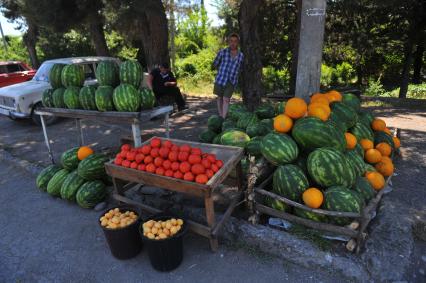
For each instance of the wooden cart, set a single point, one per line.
(231, 157)
(112, 117)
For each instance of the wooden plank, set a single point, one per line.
(306, 222)
(227, 214)
(211, 221)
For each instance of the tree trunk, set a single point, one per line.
(359, 74)
(154, 34)
(418, 59)
(408, 60)
(30, 40)
(294, 56)
(250, 20)
(97, 35)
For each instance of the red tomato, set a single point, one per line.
(118, 160)
(126, 147)
(175, 166)
(167, 144)
(174, 148)
(133, 165)
(168, 173)
(158, 161)
(183, 156)
(196, 150)
(148, 159)
(155, 142)
(184, 167)
(209, 173)
(202, 179)
(198, 169)
(173, 155)
(123, 154)
(118, 155)
(131, 155)
(167, 164)
(159, 171)
(164, 152)
(146, 149)
(139, 149)
(125, 163)
(142, 167)
(154, 152)
(150, 168)
(178, 175)
(215, 168)
(185, 148)
(139, 157)
(206, 163)
(194, 158)
(219, 163)
(188, 176)
(211, 158)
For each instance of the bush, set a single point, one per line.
(341, 75)
(417, 91)
(326, 75)
(374, 88)
(197, 66)
(274, 79)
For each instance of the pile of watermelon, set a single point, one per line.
(119, 88)
(329, 153)
(80, 177)
(163, 157)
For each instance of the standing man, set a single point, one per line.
(228, 62)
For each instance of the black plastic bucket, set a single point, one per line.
(124, 243)
(165, 254)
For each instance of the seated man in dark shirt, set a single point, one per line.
(162, 81)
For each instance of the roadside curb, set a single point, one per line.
(31, 168)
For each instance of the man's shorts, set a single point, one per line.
(223, 91)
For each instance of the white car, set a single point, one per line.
(20, 100)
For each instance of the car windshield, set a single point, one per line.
(42, 74)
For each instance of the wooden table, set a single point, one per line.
(113, 117)
(231, 157)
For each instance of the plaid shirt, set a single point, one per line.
(229, 67)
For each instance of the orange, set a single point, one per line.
(378, 125)
(84, 152)
(313, 197)
(384, 148)
(376, 180)
(318, 110)
(387, 131)
(333, 95)
(283, 123)
(385, 168)
(295, 108)
(373, 156)
(366, 144)
(386, 159)
(397, 142)
(350, 141)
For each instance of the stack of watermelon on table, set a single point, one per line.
(119, 88)
(80, 178)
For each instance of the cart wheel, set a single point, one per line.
(36, 118)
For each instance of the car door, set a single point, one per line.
(89, 73)
(14, 74)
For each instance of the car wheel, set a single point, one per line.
(48, 120)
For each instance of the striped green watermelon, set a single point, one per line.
(55, 75)
(290, 182)
(207, 136)
(278, 148)
(265, 111)
(72, 75)
(126, 98)
(253, 146)
(147, 98)
(352, 172)
(356, 161)
(352, 101)
(342, 199)
(344, 113)
(55, 183)
(71, 98)
(107, 73)
(310, 215)
(329, 167)
(69, 159)
(369, 168)
(279, 107)
(383, 137)
(302, 162)
(216, 139)
(47, 98)
(45, 175)
(335, 122)
(361, 131)
(131, 73)
(235, 111)
(228, 124)
(71, 185)
(58, 98)
(92, 167)
(234, 138)
(87, 97)
(214, 123)
(91, 193)
(103, 98)
(256, 130)
(276, 204)
(366, 118)
(359, 150)
(268, 123)
(246, 119)
(363, 187)
(311, 133)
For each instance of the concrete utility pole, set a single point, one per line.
(4, 39)
(310, 29)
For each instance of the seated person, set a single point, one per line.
(162, 81)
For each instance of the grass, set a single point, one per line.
(194, 88)
(376, 103)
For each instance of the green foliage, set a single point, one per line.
(417, 91)
(343, 74)
(374, 88)
(119, 47)
(197, 66)
(274, 79)
(16, 50)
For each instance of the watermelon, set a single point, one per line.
(91, 193)
(344, 113)
(329, 167)
(366, 118)
(103, 98)
(256, 130)
(71, 185)
(311, 133)
(253, 146)
(356, 161)
(265, 111)
(71, 98)
(310, 215)
(55, 183)
(342, 199)
(278, 148)
(69, 159)
(335, 122)
(363, 187)
(279, 107)
(268, 123)
(92, 167)
(72, 75)
(55, 75)
(47, 98)
(234, 138)
(207, 136)
(235, 110)
(302, 162)
(352, 172)
(359, 150)
(216, 139)
(246, 119)
(214, 123)
(361, 131)
(45, 175)
(87, 98)
(126, 98)
(383, 137)
(131, 73)
(290, 182)
(228, 124)
(369, 168)
(58, 98)
(352, 101)
(276, 204)
(147, 98)
(107, 73)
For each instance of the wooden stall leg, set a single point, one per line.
(239, 170)
(136, 132)
(46, 139)
(166, 122)
(211, 221)
(80, 132)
